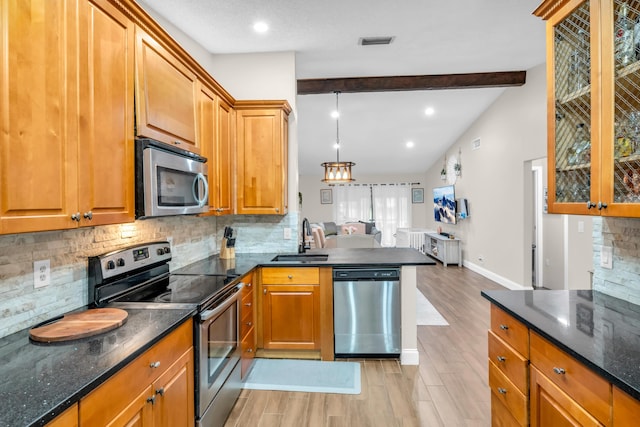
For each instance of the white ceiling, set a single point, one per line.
(431, 37)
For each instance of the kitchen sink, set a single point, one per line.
(300, 258)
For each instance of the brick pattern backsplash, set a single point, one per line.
(623, 235)
(192, 238)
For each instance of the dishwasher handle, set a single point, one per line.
(369, 274)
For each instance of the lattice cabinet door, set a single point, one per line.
(572, 148)
(620, 192)
(593, 78)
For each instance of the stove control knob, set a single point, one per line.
(167, 250)
(120, 262)
(111, 265)
(160, 251)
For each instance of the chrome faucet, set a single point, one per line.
(306, 228)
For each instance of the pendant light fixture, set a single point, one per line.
(337, 172)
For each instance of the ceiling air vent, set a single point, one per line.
(369, 41)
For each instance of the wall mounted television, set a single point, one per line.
(444, 204)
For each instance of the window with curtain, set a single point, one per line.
(391, 207)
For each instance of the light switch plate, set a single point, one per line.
(41, 273)
(606, 257)
(287, 233)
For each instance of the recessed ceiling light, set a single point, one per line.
(335, 114)
(429, 111)
(260, 27)
(336, 146)
(410, 144)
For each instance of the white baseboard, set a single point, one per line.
(409, 356)
(509, 284)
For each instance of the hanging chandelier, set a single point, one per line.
(337, 172)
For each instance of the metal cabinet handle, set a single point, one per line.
(88, 215)
(502, 390)
(247, 304)
(502, 359)
(277, 210)
(177, 142)
(290, 276)
(249, 323)
(248, 285)
(590, 204)
(154, 364)
(160, 391)
(601, 206)
(559, 371)
(250, 350)
(75, 217)
(264, 291)
(151, 399)
(504, 327)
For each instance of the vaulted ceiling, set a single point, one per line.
(430, 38)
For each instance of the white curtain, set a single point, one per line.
(391, 207)
(392, 210)
(352, 203)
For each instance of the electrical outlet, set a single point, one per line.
(287, 233)
(41, 273)
(580, 226)
(606, 257)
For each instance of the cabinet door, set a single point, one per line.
(105, 187)
(573, 149)
(620, 109)
(281, 304)
(174, 393)
(38, 152)
(261, 167)
(214, 116)
(69, 418)
(166, 95)
(225, 154)
(550, 406)
(626, 409)
(138, 413)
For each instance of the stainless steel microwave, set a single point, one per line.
(169, 180)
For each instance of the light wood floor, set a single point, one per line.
(448, 388)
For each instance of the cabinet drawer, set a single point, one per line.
(290, 276)
(510, 331)
(508, 394)
(248, 285)
(246, 320)
(509, 362)
(584, 386)
(123, 387)
(626, 409)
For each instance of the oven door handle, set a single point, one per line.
(208, 314)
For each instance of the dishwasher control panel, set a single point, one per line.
(366, 274)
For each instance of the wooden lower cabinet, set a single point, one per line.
(295, 310)
(550, 406)
(156, 389)
(69, 418)
(626, 409)
(247, 326)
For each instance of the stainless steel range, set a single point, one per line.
(138, 277)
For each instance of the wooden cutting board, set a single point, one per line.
(80, 325)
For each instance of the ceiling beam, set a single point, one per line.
(400, 83)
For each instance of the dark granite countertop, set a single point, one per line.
(601, 331)
(338, 257)
(39, 381)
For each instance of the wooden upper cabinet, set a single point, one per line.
(37, 189)
(67, 119)
(166, 95)
(106, 152)
(215, 123)
(593, 78)
(262, 162)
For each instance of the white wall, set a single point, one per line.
(512, 131)
(310, 186)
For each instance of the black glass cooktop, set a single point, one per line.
(195, 290)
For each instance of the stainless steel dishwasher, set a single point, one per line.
(366, 312)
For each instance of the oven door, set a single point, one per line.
(174, 184)
(219, 342)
